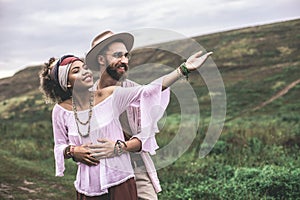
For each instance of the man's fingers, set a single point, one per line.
(96, 146)
(102, 140)
(96, 155)
(100, 155)
(101, 144)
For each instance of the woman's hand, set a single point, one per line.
(197, 60)
(193, 62)
(83, 154)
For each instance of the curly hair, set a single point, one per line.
(51, 90)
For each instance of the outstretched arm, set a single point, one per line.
(106, 148)
(193, 62)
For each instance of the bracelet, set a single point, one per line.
(184, 70)
(72, 148)
(69, 151)
(118, 150)
(179, 73)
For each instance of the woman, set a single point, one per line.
(81, 116)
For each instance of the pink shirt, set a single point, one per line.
(95, 180)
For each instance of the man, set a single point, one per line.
(110, 56)
(110, 53)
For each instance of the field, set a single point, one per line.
(255, 157)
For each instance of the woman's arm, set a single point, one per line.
(194, 62)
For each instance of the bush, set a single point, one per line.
(268, 182)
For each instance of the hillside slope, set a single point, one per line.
(256, 63)
(266, 47)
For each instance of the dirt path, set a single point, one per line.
(276, 96)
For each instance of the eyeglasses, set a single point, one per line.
(119, 55)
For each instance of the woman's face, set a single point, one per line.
(80, 77)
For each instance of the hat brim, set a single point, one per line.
(91, 56)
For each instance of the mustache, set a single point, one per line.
(112, 71)
(118, 65)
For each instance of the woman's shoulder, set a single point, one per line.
(66, 105)
(109, 90)
(104, 93)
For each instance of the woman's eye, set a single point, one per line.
(75, 70)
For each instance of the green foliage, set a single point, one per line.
(251, 160)
(219, 181)
(270, 181)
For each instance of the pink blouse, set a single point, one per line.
(95, 180)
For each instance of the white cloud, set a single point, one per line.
(35, 31)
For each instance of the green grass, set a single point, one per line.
(250, 160)
(33, 179)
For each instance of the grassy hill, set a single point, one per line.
(255, 157)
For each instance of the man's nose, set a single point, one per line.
(124, 59)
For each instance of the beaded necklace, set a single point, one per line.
(77, 120)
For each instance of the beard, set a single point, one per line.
(112, 70)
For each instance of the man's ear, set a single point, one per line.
(101, 60)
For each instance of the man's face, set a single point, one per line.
(116, 60)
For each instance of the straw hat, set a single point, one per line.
(101, 41)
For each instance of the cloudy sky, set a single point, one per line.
(32, 31)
